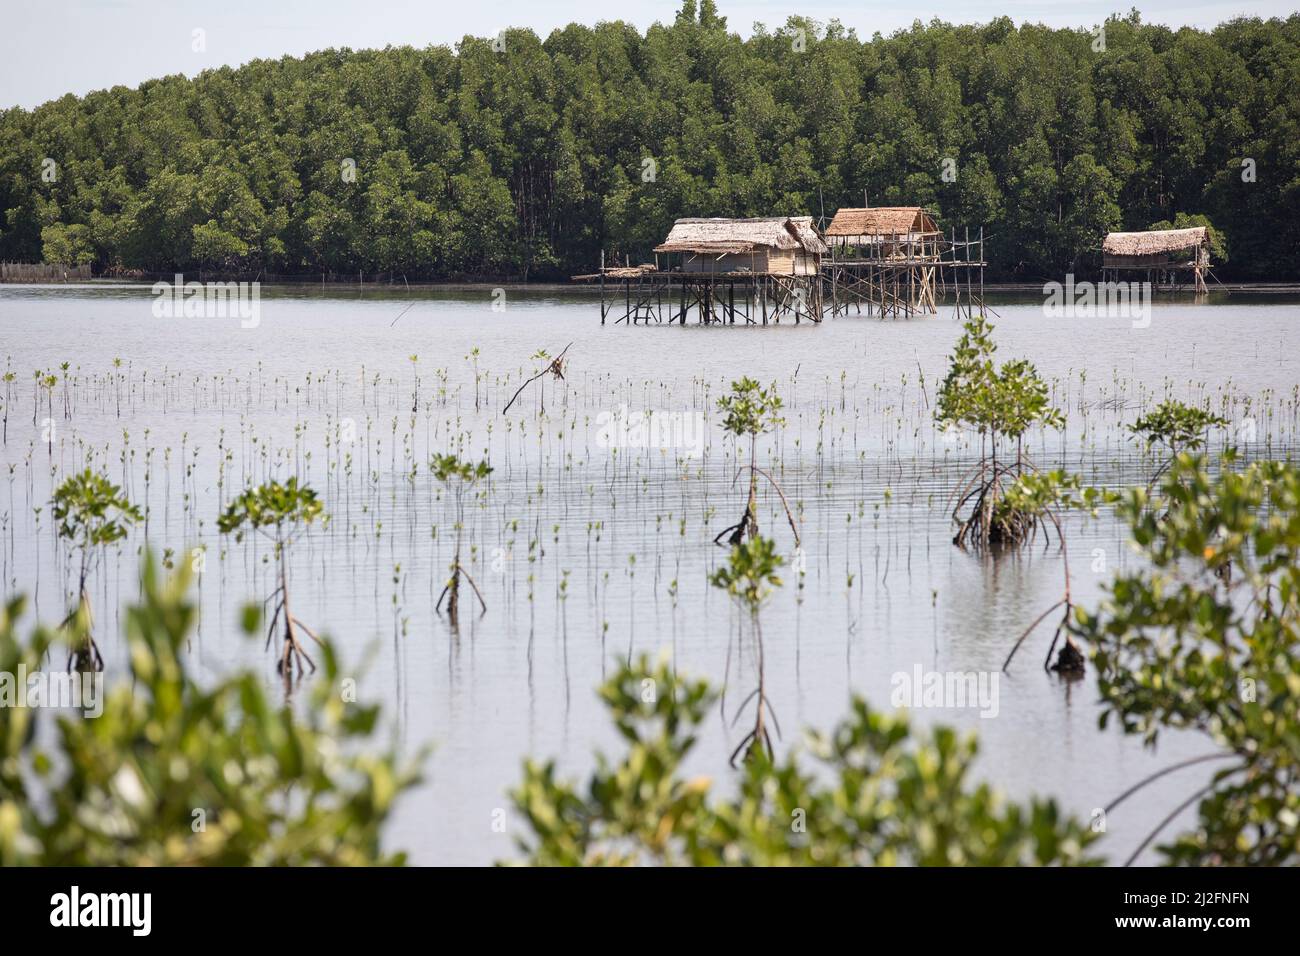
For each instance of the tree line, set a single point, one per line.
(517, 157)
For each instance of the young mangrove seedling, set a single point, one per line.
(1000, 404)
(1178, 427)
(277, 512)
(91, 513)
(752, 410)
(458, 476)
(9, 378)
(750, 577)
(48, 383)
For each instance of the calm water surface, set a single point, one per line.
(585, 553)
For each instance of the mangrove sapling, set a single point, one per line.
(473, 357)
(750, 577)
(1000, 404)
(1178, 427)
(277, 511)
(752, 410)
(91, 513)
(9, 379)
(48, 383)
(457, 476)
(555, 366)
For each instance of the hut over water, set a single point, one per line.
(729, 271)
(886, 258)
(780, 245)
(1161, 253)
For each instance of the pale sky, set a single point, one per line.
(52, 47)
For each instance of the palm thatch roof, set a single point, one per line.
(742, 235)
(1155, 242)
(622, 272)
(882, 221)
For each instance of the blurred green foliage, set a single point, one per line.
(92, 511)
(878, 793)
(447, 468)
(1204, 635)
(172, 773)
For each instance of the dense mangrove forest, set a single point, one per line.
(521, 157)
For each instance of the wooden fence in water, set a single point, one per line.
(42, 272)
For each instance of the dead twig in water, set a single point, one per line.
(402, 313)
(556, 368)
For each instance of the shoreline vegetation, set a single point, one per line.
(585, 289)
(526, 157)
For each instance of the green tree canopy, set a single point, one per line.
(528, 158)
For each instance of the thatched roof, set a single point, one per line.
(882, 221)
(1155, 242)
(742, 235)
(621, 272)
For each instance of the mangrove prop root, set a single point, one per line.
(747, 525)
(477, 592)
(85, 656)
(1164, 772)
(292, 653)
(756, 743)
(1027, 631)
(983, 525)
(758, 740)
(1071, 659)
(310, 633)
(451, 594)
(1169, 819)
(453, 597)
(789, 516)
